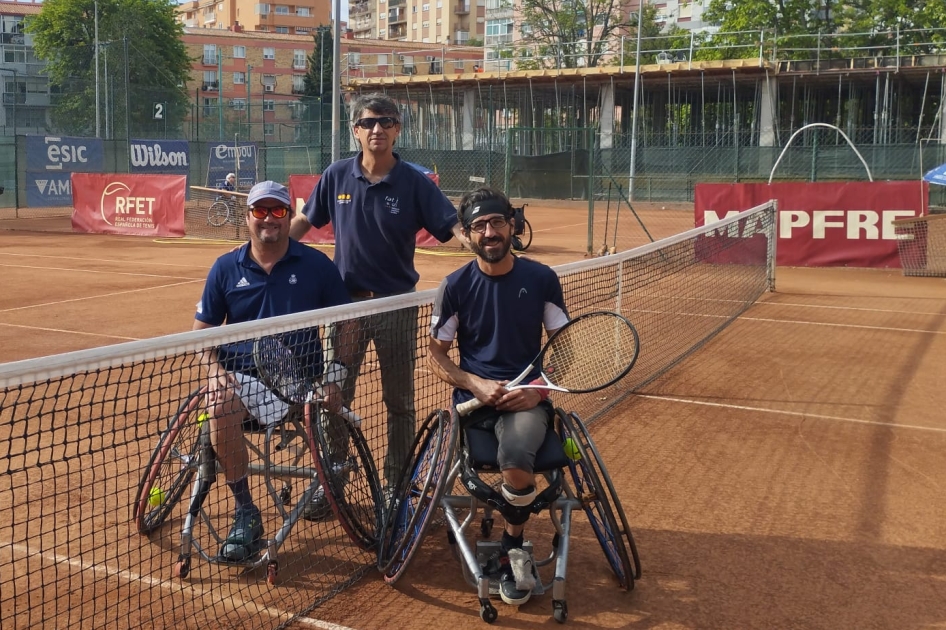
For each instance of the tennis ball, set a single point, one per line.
(155, 497)
(202, 417)
(571, 449)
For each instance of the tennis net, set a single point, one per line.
(80, 435)
(921, 243)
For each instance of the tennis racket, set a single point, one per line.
(280, 371)
(588, 353)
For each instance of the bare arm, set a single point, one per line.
(218, 377)
(299, 226)
(487, 391)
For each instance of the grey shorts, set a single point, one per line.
(520, 435)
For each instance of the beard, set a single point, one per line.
(494, 255)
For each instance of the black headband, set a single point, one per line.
(485, 208)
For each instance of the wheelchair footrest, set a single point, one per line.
(488, 548)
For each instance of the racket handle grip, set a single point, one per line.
(353, 418)
(468, 407)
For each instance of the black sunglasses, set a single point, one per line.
(386, 122)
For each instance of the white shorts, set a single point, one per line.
(259, 400)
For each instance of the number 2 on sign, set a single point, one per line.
(159, 111)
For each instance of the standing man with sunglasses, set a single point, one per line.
(271, 275)
(376, 204)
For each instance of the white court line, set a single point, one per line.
(105, 260)
(95, 297)
(111, 273)
(69, 332)
(850, 308)
(176, 585)
(799, 414)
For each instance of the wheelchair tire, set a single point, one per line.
(596, 492)
(218, 214)
(418, 493)
(172, 465)
(353, 488)
(525, 239)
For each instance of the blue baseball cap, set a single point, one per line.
(268, 190)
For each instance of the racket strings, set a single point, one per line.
(280, 370)
(590, 353)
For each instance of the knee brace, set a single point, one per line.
(518, 504)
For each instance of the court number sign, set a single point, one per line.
(159, 111)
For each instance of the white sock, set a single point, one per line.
(521, 564)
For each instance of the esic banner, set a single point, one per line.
(232, 158)
(825, 224)
(159, 156)
(301, 186)
(50, 159)
(119, 203)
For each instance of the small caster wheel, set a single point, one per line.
(486, 527)
(285, 494)
(559, 610)
(488, 613)
(271, 570)
(182, 568)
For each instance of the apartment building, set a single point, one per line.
(424, 21)
(299, 18)
(24, 87)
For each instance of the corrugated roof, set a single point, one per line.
(20, 8)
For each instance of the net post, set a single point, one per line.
(772, 247)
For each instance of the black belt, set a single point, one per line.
(364, 294)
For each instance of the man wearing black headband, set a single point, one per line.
(495, 308)
(376, 204)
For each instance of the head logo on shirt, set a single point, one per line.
(292, 279)
(523, 290)
(343, 198)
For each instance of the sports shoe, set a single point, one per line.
(318, 507)
(245, 535)
(506, 565)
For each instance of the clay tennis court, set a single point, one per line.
(790, 473)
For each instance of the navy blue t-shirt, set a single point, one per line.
(376, 224)
(239, 290)
(497, 321)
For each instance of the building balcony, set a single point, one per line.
(462, 8)
(359, 8)
(10, 98)
(209, 86)
(496, 40)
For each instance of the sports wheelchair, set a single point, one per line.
(444, 453)
(522, 229)
(309, 445)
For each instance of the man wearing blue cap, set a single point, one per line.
(269, 276)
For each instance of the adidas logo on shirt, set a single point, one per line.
(243, 283)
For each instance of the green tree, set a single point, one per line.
(140, 38)
(655, 39)
(570, 33)
(317, 89)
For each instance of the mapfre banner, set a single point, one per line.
(301, 186)
(120, 203)
(829, 224)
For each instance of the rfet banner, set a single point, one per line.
(119, 203)
(159, 156)
(50, 160)
(830, 224)
(301, 186)
(232, 158)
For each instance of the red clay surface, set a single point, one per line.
(788, 474)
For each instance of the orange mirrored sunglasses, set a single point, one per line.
(278, 212)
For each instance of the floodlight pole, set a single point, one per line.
(336, 79)
(637, 87)
(98, 124)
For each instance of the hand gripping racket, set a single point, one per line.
(588, 353)
(280, 371)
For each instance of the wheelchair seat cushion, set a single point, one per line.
(484, 448)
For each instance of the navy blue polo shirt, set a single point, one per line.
(497, 321)
(239, 290)
(376, 224)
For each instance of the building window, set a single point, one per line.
(303, 12)
(426, 24)
(239, 52)
(302, 30)
(210, 106)
(210, 54)
(282, 29)
(269, 82)
(238, 103)
(298, 59)
(298, 83)
(269, 53)
(426, 7)
(269, 106)
(262, 9)
(282, 9)
(239, 78)
(269, 129)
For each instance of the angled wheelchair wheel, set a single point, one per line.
(172, 465)
(595, 490)
(418, 494)
(525, 239)
(347, 471)
(218, 214)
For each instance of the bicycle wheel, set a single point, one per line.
(171, 466)
(347, 471)
(218, 214)
(594, 489)
(418, 494)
